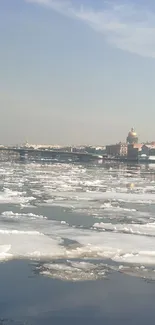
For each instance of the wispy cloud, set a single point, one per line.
(126, 25)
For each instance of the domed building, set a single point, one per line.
(132, 137)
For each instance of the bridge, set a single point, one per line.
(26, 152)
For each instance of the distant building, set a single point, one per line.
(118, 149)
(134, 150)
(148, 149)
(132, 137)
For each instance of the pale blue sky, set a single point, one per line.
(77, 71)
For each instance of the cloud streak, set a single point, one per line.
(126, 26)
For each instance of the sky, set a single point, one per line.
(76, 71)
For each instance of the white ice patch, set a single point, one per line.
(74, 271)
(14, 197)
(146, 229)
(4, 252)
(116, 246)
(19, 232)
(92, 190)
(143, 272)
(17, 216)
(85, 199)
(26, 244)
(85, 271)
(44, 238)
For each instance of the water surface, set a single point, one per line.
(79, 222)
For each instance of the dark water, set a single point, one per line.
(26, 298)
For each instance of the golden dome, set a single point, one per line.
(132, 137)
(132, 133)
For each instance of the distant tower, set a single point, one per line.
(132, 137)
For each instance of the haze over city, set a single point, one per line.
(76, 71)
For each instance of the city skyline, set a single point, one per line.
(132, 137)
(76, 73)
